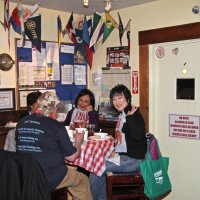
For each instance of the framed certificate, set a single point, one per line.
(7, 99)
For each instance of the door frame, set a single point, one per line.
(161, 35)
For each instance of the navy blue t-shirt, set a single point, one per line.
(48, 141)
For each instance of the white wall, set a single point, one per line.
(161, 13)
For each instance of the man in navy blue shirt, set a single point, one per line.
(41, 135)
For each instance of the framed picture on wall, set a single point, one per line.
(117, 57)
(7, 99)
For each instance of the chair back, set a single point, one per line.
(22, 177)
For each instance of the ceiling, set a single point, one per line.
(77, 5)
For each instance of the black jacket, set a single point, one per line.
(135, 134)
(21, 177)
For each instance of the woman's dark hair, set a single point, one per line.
(84, 92)
(32, 98)
(121, 90)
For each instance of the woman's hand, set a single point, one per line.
(118, 137)
(132, 110)
(89, 108)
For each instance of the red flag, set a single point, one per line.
(69, 29)
(89, 56)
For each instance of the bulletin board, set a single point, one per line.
(54, 69)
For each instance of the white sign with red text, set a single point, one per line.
(184, 126)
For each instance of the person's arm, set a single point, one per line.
(68, 118)
(10, 143)
(136, 126)
(79, 137)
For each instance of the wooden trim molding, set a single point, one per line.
(161, 35)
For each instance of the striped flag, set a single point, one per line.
(15, 21)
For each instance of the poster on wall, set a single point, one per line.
(117, 57)
(184, 126)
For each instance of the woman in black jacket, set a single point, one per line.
(131, 144)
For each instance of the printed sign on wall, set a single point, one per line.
(184, 126)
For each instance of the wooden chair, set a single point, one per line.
(125, 186)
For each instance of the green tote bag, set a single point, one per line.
(155, 176)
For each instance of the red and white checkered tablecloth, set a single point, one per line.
(94, 154)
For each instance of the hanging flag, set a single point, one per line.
(69, 29)
(99, 38)
(89, 24)
(109, 26)
(20, 12)
(33, 31)
(97, 24)
(6, 23)
(127, 29)
(85, 33)
(78, 25)
(89, 55)
(19, 15)
(121, 29)
(59, 25)
(15, 21)
(28, 11)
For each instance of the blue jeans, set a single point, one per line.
(98, 183)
